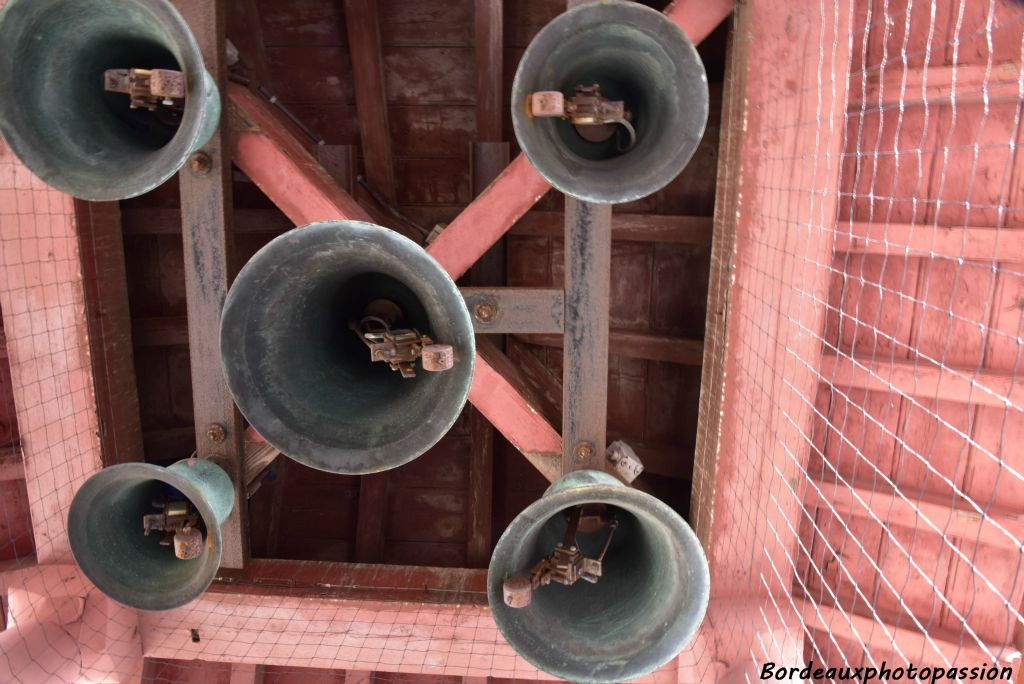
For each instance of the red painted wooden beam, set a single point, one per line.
(500, 394)
(489, 216)
(282, 168)
(698, 18)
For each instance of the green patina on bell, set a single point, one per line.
(299, 370)
(632, 615)
(636, 56)
(62, 122)
(106, 528)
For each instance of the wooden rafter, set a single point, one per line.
(371, 103)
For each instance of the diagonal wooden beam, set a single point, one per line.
(489, 216)
(362, 21)
(281, 167)
(698, 18)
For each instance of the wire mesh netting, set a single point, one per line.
(875, 342)
(858, 483)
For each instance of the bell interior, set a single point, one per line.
(80, 130)
(626, 611)
(629, 66)
(121, 559)
(319, 378)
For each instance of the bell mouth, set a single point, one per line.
(637, 56)
(645, 607)
(62, 122)
(303, 377)
(105, 529)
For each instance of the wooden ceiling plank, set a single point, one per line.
(489, 69)
(363, 24)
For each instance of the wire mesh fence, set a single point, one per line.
(858, 484)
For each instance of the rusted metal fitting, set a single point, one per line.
(485, 311)
(583, 450)
(517, 591)
(437, 357)
(215, 433)
(593, 115)
(625, 461)
(147, 88)
(200, 164)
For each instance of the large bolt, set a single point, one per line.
(215, 433)
(584, 450)
(485, 311)
(200, 163)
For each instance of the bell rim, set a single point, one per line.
(436, 433)
(520, 119)
(200, 89)
(76, 517)
(538, 513)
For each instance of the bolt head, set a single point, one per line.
(200, 163)
(215, 433)
(485, 312)
(584, 450)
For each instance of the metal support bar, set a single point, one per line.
(206, 232)
(501, 310)
(588, 259)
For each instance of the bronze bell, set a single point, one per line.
(103, 99)
(598, 582)
(610, 101)
(149, 537)
(347, 347)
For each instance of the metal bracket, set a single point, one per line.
(400, 348)
(566, 564)
(147, 88)
(179, 521)
(593, 114)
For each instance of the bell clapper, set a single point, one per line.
(593, 115)
(400, 347)
(179, 521)
(147, 88)
(566, 564)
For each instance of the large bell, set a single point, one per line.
(74, 127)
(650, 85)
(149, 537)
(622, 618)
(347, 347)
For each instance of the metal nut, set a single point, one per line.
(200, 164)
(584, 450)
(215, 433)
(485, 312)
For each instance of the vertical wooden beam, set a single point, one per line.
(588, 260)
(246, 33)
(489, 157)
(373, 499)
(368, 77)
(481, 476)
(110, 331)
(489, 69)
(206, 232)
(771, 261)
